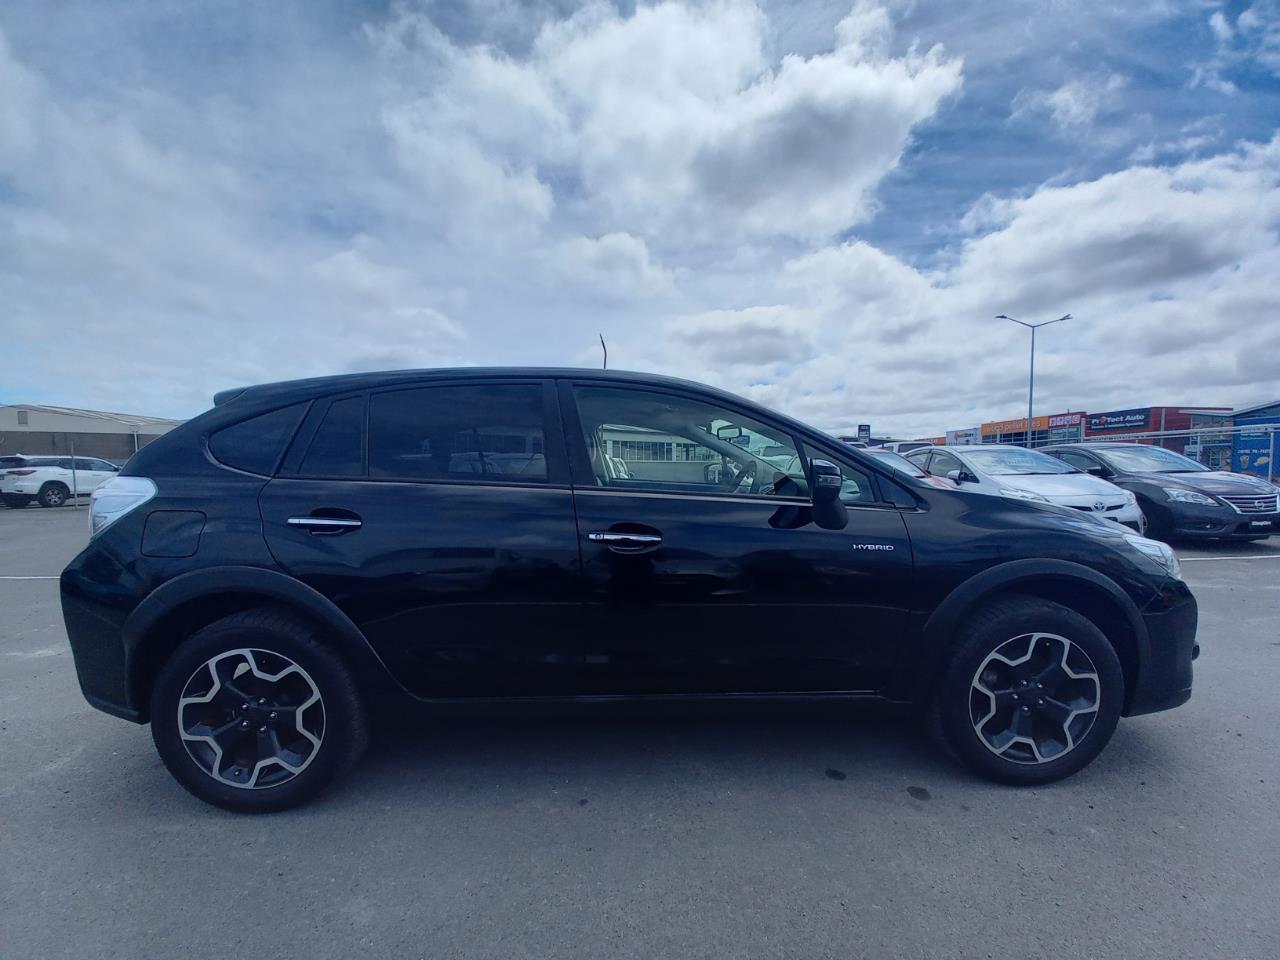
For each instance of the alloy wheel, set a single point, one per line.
(1034, 698)
(251, 718)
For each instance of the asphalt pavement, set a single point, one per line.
(648, 831)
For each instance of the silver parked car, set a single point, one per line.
(1005, 470)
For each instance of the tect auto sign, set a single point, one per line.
(1120, 419)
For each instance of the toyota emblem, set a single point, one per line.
(1099, 505)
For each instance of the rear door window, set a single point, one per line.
(477, 432)
(337, 449)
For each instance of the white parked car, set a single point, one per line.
(1005, 470)
(50, 481)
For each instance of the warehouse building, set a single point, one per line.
(34, 428)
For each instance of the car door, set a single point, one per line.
(94, 474)
(705, 574)
(942, 463)
(444, 529)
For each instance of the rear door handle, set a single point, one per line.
(329, 525)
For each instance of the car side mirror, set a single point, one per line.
(826, 482)
(828, 510)
(1102, 472)
(961, 476)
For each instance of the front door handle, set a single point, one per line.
(621, 541)
(325, 525)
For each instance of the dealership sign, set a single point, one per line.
(1120, 420)
(1037, 423)
(864, 431)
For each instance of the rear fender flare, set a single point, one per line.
(141, 641)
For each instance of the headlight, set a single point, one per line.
(1130, 498)
(115, 498)
(1161, 553)
(1178, 495)
(1019, 494)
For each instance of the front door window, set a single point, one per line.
(641, 440)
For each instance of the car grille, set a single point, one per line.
(1076, 506)
(1255, 504)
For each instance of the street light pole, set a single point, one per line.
(1031, 379)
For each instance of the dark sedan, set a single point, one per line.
(1181, 499)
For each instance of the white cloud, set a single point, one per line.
(1075, 105)
(668, 122)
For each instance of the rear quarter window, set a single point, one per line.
(256, 445)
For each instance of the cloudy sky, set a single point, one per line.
(819, 205)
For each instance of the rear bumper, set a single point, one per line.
(20, 486)
(1164, 679)
(94, 630)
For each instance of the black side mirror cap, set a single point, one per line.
(828, 509)
(827, 479)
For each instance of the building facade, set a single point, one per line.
(1065, 427)
(44, 430)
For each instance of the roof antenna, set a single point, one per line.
(606, 353)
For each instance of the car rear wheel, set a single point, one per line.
(253, 713)
(1032, 693)
(53, 495)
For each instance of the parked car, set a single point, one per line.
(260, 576)
(50, 481)
(1182, 499)
(1005, 470)
(900, 463)
(904, 446)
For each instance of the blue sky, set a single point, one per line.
(821, 205)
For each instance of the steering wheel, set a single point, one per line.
(747, 472)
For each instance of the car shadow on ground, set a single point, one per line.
(610, 741)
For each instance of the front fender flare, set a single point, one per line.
(940, 627)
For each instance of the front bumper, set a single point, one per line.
(1219, 523)
(1164, 675)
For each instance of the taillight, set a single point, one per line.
(20, 473)
(115, 498)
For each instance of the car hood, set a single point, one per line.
(1058, 486)
(1213, 481)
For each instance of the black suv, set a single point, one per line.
(260, 576)
(1181, 499)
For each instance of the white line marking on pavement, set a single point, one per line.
(28, 578)
(1269, 556)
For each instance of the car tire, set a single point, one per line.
(990, 712)
(16, 503)
(53, 495)
(294, 721)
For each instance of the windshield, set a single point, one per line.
(1143, 459)
(897, 461)
(1016, 461)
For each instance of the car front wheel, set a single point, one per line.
(253, 713)
(1032, 693)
